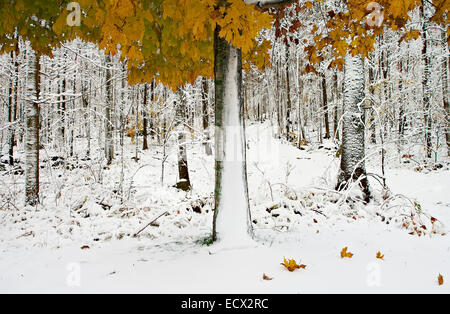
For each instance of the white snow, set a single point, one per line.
(40, 249)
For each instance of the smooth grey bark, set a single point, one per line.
(353, 135)
(32, 144)
(231, 191)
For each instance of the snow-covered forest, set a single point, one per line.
(191, 146)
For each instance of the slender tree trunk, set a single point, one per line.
(11, 116)
(184, 182)
(353, 140)
(445, 92)
(426, 84)
(288, 98)
(87, 124)
(232, 221)
(370, 103)
(401, 114)
(325, 107)
(32, 144)
(145, 120)
(205, 105)
(109, 143)
(152, 101)
(301, 132)
(12, 110)
(63, 114)
(336, 107)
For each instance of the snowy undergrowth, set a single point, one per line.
(291, 191)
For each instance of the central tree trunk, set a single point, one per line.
(353, 135)
(232, 221)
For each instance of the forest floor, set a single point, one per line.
(80, 239)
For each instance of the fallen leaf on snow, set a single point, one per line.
(292, 265)
(85, 247)
(379, 256)
(440, 280)
(344, 253)
(265, 277)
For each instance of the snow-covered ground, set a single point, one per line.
(81, 239)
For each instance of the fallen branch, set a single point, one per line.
(153, 221)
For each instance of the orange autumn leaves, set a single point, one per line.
(345, 254)
(291, 265)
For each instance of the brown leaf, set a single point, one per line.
(265, 277)
(379, 256)
(440, 280)
(85, 247)
(344, 253)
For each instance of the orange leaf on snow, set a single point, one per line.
(292, 265)
(265, 277)
(379, 256)
(344, 253)
(440, 280)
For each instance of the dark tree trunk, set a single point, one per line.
(109, 143)
(445, 91)
(325, 107)
(205, 105)
(145, 121)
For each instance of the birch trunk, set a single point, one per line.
(353, 139)
(426, 85)
(32, 134)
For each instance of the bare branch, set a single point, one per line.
(265, 4)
